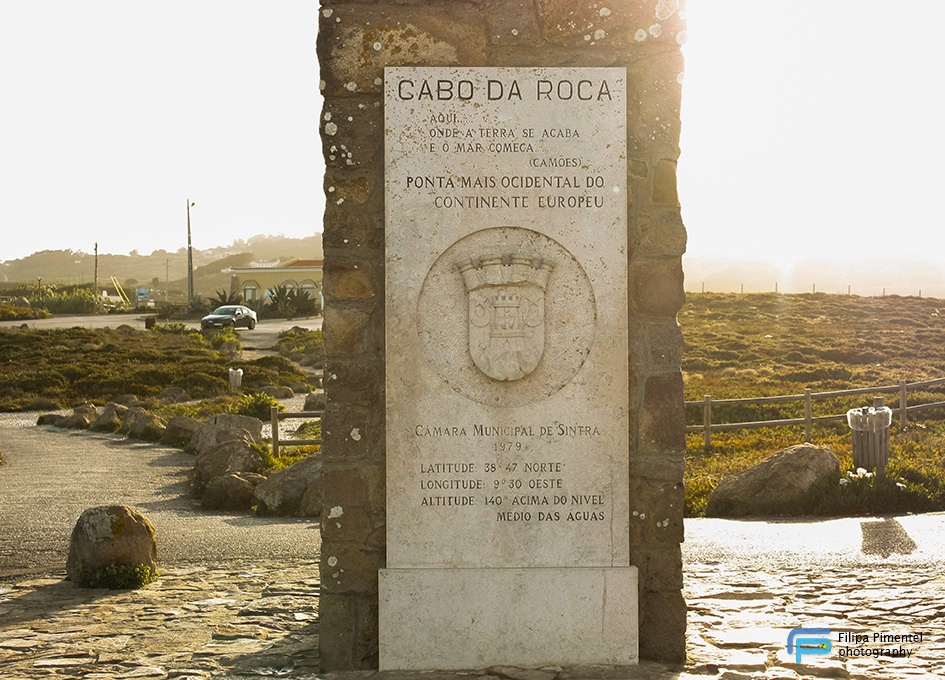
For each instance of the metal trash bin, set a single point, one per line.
(870, 426)
(236, 377)
(150, 322)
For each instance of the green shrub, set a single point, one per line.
(225, 340)
(256, 405)
(904, 488)
(310, 429)
(73, 301)
(172, 328)
(11, 313)
(120, 576)
(301, 342)
(203, 385)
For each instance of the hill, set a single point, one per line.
(161, 269)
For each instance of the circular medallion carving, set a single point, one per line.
(506, 316)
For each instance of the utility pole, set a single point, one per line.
(190, 258)
(95, 282)
(167, 282)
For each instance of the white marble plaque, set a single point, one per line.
(507, 358)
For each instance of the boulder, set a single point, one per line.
(173, 395)
(277, 392)
(300, 388)
(81, 419)
(110, 535)
(111, 418)
(139, 424)
(314, 401)
(225, 427)
(50, 419)
(179, 431)
(127, 399)
(311, 503)
(775, 485)
(232, 491)
(233, 455)
(283, 491)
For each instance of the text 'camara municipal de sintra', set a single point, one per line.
(555, 429)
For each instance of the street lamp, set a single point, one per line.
(190, 258)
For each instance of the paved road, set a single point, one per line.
(49, 476)
(263, 336)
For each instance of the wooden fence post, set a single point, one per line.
(707, 422)
(808, 420)
(902, 404)
(274, 416)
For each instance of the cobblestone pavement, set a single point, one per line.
(260, 620)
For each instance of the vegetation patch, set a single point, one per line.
(302, 344)
(71, 366)
(120, 577)
(258, 405)
(760, 345)
(16, 313)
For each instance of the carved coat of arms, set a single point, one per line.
(506, 313)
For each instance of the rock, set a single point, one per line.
(234, 455)
(277, 392)
(173, 395)
(311, 503)
(314, 401)
(50, 419)
(776, 484)
(225, 427)
(300, 388)
(110, 535)
(111, 418)
(81, 419)
(282, 493)
(179, 431)
(125, 329)
(232, 491)
(126, 399)
(140, 424)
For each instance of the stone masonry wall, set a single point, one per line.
(357, 39)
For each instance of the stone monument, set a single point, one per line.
(504, 429)
(507, 414)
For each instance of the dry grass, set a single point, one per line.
(744, 346)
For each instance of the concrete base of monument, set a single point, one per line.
(466, 619)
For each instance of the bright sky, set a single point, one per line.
(813, 128)
(810, 127)
(115, 112)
